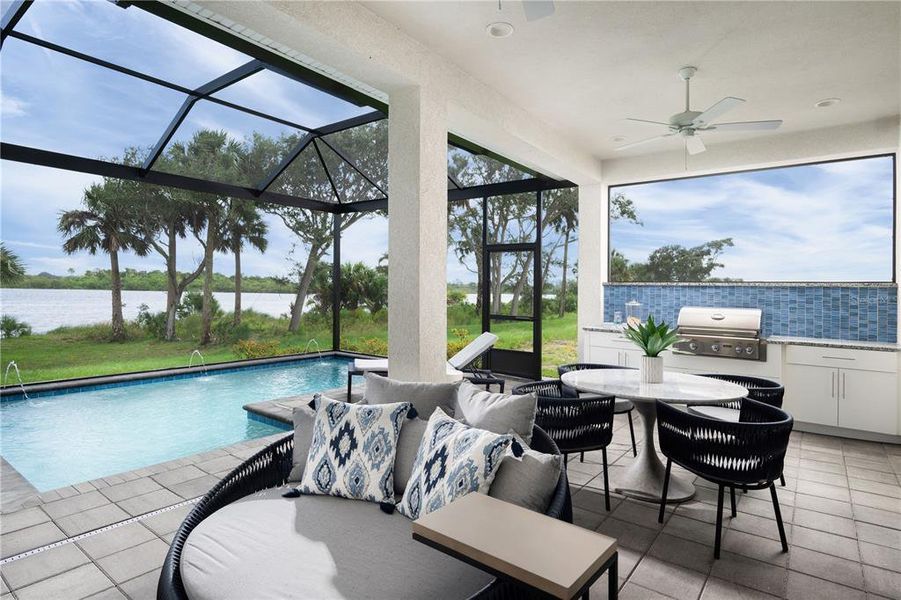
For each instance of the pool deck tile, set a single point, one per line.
(28, 538)
(93, 518)
(76, 584)
(135, 561)
(129, 489)
(75, 504)
(142, 587)
(138, 505)
(116, 540)
(194, 487)
(21, 519)
(178, 475)
(32, 569)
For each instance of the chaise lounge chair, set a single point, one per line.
(458, 364)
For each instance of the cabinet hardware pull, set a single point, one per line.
(843, 387)
(839, 357)
(833, 385)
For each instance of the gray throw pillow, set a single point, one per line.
(425, 397)
(303, 418)
(528, 481)
(407, 446)
(497, 413)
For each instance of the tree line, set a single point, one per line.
(139, 280)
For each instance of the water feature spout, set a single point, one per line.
(313, 342)
(202, 361)
(12, 365)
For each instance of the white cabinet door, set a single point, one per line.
(811, 393)
(605, 355)
(868, 400)
(631, 358)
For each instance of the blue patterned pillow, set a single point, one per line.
(352, 450)
(453, 460)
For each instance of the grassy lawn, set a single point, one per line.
(82, 351)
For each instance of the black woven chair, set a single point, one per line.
(621, 406)
(762, 390)
(576, 423)
(749, 453)
(270, 468)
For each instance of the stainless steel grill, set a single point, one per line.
(725, 332)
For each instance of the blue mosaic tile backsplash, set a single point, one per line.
(858, 313)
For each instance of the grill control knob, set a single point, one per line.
(738, 350)
(714, 347)
(692, 346)
(749, 350)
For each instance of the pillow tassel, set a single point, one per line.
(387, 507)
(516, 447)
(292, 493)
(412, 413)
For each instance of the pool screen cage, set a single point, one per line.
(326, 151)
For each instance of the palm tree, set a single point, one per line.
(11, 266)
(107, 223)
(243, 224)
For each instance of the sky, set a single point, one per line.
(825, 222)
(58, 103)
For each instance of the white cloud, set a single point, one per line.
(11, 106)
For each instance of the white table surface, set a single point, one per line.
(644, 478)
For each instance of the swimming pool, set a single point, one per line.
(65, 438)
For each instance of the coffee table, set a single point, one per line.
(544, 555)
(644, 479)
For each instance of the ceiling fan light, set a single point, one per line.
(826, 102)
(499, 29)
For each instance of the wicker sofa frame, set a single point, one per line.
(270, 467)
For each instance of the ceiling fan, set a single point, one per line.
(689, 123)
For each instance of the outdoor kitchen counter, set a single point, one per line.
(828, 343)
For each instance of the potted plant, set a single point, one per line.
(652, 339)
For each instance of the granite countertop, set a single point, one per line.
(788, 340)
(827, 343)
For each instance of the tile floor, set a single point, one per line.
(841, 506)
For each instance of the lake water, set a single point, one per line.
(45, 310)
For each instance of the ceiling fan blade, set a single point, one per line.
(644, 141)
(694, 144)
(537, 9)
(647, 121)
(712, 113)
(745, 126)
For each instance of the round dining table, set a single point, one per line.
(644, 478)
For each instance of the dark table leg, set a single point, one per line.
(613, 578)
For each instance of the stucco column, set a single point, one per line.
(592, 256)
(417, 235)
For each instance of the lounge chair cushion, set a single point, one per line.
(425, 397)
(353, 450)
(529, 480)
(303, 418)
(495, 412)
(267, 547)
(453, 460)
(407, 447)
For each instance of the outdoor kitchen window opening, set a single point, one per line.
(821, 222)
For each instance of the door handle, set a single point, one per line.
(833, 385)
(843, 386)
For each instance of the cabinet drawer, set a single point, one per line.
(844, 358)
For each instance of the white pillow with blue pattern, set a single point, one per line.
(353, 449)
(453, 460)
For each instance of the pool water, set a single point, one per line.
(68, 438)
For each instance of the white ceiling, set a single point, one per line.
(592, 64)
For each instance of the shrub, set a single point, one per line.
(12, 327)
(455, 297)
(153, 324)
(224, 330)
(192, 304)
(256, 348)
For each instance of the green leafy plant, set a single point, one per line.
(651, 337)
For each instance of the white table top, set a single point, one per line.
(678, 388)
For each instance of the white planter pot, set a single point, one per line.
(651, 369)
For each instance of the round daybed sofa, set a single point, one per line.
(244, 540)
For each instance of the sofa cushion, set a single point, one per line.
(528, 480)
(407, 447)
(453, 460)
(303, 418)
(495, 412)
(353, 449)
(425, 397)
(267, 547)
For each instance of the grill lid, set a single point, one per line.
(709, 318)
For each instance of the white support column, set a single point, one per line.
(417, 235)
(592, 256)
